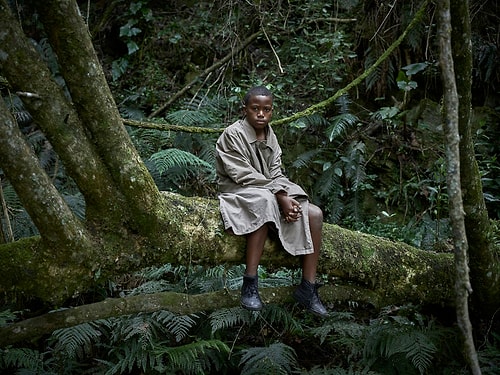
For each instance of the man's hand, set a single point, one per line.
(292, 210)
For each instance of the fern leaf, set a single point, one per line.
(172, 157)
(277, 358)
(189, 358)
(340, 124)
(178, 325)
(226, 318)
(22, 358)
(187, 117)
(74, 342)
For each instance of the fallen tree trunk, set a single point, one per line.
(396, 272)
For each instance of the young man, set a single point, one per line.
(255, 196)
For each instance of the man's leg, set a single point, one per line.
(255, 246)
(250, 298)
(307, 292)
(310, 261)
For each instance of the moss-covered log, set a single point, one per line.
(396, 272)
(178, 303)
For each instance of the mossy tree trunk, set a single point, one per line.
(452, 140)
(484, 266)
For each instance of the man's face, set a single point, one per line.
(259, 111)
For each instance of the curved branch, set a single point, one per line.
(178, 303)
(307, 112)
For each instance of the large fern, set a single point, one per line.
(76, 342)
(197, 357)
(25, 359)
(388, 339)
(274, 359)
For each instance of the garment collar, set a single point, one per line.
(250, 131)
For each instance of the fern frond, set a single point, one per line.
(275, 359)
(340, 323)
(74, 342)
(279, 315)
(22, 358)
(76, 203)
(130, 356)
(188, 117)
(165, 160)
(226, 318)
(177, 325)
(340, 124)
(389, 339)
(306, 158)
(192, 358)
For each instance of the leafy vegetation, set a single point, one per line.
(279, 339)
(373, 162)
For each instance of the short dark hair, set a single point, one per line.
(255, 91)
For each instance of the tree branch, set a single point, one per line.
(178, 303)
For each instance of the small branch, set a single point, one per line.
(333, 19)
(274, 51)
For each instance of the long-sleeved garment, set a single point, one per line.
(249, 175)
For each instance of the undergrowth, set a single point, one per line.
(277, 340)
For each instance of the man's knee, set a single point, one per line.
(315, 213)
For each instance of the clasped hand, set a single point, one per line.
(292, 210)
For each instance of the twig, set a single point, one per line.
(274, 51)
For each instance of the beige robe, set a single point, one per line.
(249, 174)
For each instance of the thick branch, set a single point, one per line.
(97, 109)
(175, 302)
(395, 271)
(26, 72)
(56, 222)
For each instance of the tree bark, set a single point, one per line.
(178, 303)
(452, 139)
(483, 264)
(45, 99)
(97, 109)
(396, 272)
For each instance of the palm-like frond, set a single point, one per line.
(177, 325)
(275, 359)
(193, 358)
(75, 342)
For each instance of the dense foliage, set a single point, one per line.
(373, 162)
